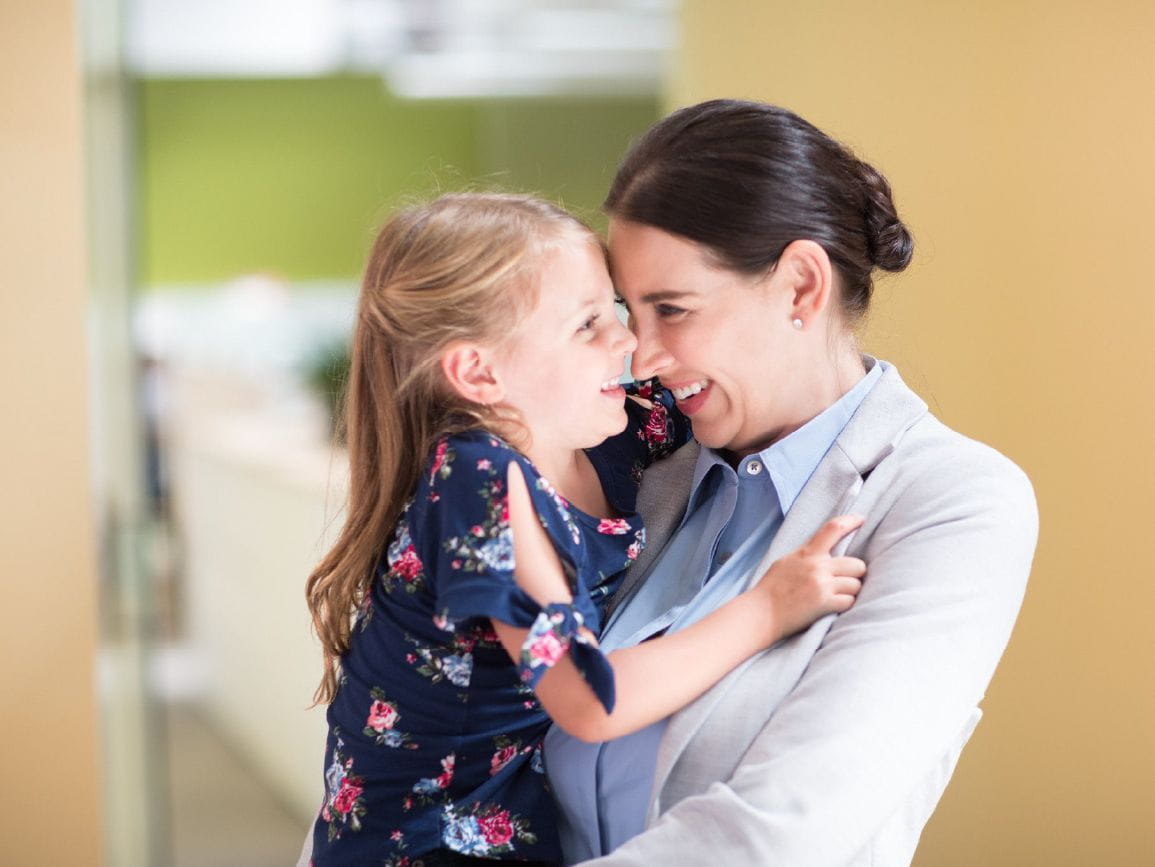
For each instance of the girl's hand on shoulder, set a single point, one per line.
(811, 582)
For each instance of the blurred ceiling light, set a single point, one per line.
(234, 38)
(424, 48)
(455, 48)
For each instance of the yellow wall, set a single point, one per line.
(49, 812)
(1020, 139)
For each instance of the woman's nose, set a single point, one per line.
(650, 356)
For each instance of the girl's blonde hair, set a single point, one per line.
(462, 267)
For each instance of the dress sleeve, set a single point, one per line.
(467, 515)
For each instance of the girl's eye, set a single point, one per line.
(589, 323)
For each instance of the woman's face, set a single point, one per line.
(721, 341)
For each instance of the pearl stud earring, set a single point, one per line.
(797, 324)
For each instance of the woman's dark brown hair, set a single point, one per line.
(744, 179)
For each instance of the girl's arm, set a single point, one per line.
(660, 676)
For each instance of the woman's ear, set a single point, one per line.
(469, 370)
(806, 267)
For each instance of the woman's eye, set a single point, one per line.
(667, 311)
(621, 302)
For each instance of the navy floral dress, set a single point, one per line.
(435, 734)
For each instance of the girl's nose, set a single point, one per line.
(626, 341)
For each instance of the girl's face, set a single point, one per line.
(562, 368)
(722, 342)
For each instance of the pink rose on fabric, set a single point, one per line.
(346, 797)
(613, 526)
(655, 431)
(382, 715)
(546, 649)
(477, 530)
(505, 510)
(484, 464)
(501, 758)
(439, 458)
(633, 551)
(408, 565)
(496, 828)
(396, 835)
(446, 776)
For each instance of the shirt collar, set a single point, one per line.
(791, 461)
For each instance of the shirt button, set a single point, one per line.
(754, 467)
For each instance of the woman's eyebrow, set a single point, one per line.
(663, 295)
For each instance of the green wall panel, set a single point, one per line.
(291, 176)
(288, 176)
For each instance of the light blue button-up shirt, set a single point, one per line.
(603, 790)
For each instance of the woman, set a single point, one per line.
(743, 241)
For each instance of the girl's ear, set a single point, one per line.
(469, 370)
(811, 278)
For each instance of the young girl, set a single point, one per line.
(486, 530)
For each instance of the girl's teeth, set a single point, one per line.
(689, 390)
(610, 384)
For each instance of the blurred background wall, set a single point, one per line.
(1019, 139)
(49, 798)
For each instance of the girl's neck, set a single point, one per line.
(571, 473)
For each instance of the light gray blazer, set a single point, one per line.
(834, 746)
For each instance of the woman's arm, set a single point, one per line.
(660, 676)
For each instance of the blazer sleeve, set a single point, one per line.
(890, 690)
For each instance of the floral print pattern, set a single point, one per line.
(485, 830)
(452, 662)
(344, 802)
(379, 725)
(406, 571)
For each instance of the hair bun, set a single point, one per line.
(889, 243)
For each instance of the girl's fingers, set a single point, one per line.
(846, 586)
(829, 533)
(841, 603)
(849, 566)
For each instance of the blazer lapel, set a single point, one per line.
(875, 429)
(662, 499)
(827, 488)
